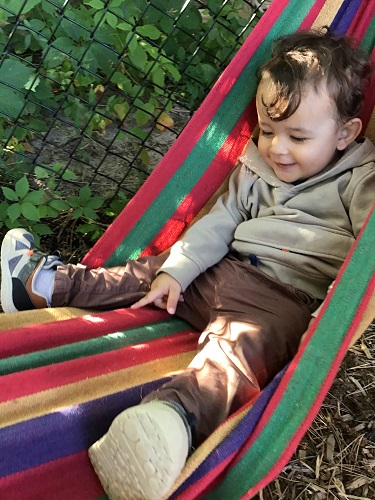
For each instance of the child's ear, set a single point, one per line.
(348, 133)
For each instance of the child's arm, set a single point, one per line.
(204, 244)
(361, 197)
(209, 239)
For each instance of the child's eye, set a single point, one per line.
(298, 139)
(266, 133)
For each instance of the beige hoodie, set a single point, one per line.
(298, 234)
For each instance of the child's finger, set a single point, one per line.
(147, 299)
(173, 298)
(161, 303)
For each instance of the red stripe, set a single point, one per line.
(43, 336)
(334, 367)
(314, 409)
(207, 483)
(362, 19)
(208, 184)
(181, 148)
(36, 380)
(71, 477)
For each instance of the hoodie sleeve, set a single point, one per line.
(363, 197)
(208, 240)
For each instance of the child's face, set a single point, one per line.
(303, 144)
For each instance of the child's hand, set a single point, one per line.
(165, 293)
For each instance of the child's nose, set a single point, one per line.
(278, 145)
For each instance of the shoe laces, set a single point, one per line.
(53, 260)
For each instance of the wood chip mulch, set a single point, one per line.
(336, 458)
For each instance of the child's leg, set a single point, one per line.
(103, 288)
(32, 280)
(252, 329)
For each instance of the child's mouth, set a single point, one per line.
(284, 166)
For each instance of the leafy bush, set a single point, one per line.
(97, 62)
(27, 207)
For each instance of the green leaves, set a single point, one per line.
(24, 202)
(149, 31)
(84, 205)
(100, 62)
(134, 47)
(24, 206)
(137, 53)
(11, 102)
(95, 4)
(15, 5)
(22, 187)
(15, 73)
(9, 194)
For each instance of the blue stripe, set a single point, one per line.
(40, 440)
(345, 16)
(73, 429)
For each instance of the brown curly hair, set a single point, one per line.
(317, 57)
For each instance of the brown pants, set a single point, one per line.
(251, 327)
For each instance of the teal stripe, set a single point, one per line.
(106, 343)
(207, 147)
(309, 374)
(368, 40)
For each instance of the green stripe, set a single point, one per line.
(308, 377)
(207, 147)
(106, 343)
(368, 40)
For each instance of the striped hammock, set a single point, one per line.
(66, 373)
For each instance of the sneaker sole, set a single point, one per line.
(6, 277)
(131, 460)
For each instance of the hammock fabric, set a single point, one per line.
(66, 373)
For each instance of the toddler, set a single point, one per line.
(249, 274)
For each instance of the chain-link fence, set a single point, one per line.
(93, 93)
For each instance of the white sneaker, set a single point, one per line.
(142, 453)
(21, 262)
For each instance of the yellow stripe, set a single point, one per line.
(59, 398)
(38, 316)
(328, 13)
